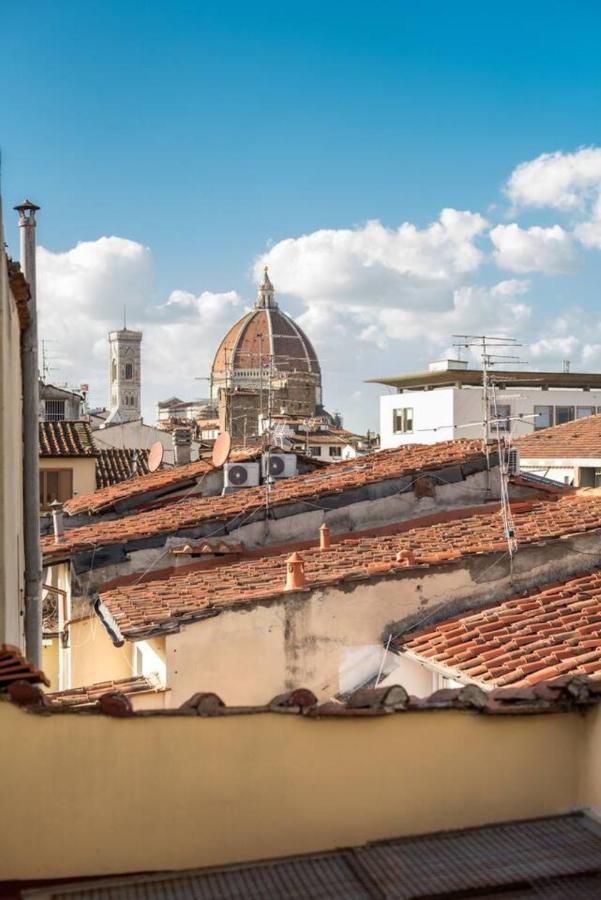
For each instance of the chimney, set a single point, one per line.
(57, 521)
(324, 537)
(31, 468)
(295, 573)
(407, 557)
(27, 226)
(182, 440)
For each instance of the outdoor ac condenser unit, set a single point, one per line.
(237, 476)
(278, 465)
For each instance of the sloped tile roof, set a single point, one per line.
(165, 604)
(547, 858)
(85, 697)
(66, 438)
(328, 481)
(580, 439)
(163, 479)
(115, 464)
(14, 667)
(548, 633)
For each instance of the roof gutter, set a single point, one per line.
(108, 621)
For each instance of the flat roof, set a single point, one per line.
(473, 377)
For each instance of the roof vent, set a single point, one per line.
(295, 573)
(447, 365)
(324, 537)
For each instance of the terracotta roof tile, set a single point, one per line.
(14, 667)
(557, 632)
(115, 464)
(580, 439)
(106, 498)
(330, 480)
(160, 604)
(66, 438)
(89, 696)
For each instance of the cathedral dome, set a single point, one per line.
(263, 336)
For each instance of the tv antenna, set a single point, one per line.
(487, 345)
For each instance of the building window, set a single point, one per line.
(113, 371)
(129, 371)
(582, 411)
(314, 451)
(55, 410)
(544, 417)
(564, 414)
(336, 451)
(402, 420)
(55, 484)
(499, 416)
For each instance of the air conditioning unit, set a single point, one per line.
(237, 476)
(278, 465)
(512, 461)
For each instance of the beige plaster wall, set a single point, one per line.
(590, 762)
(11, 466)
(93, 655)
(239, 655)
(131, 795)
(84, 471)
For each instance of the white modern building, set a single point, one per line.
(447, 402)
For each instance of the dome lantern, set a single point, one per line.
(265, 295)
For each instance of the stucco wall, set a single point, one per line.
(11, 465)
(589, 786)
(93, 656)
(130, 795)
(431, 410)
(84, 471)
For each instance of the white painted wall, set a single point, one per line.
(435, 411)
(431, 409)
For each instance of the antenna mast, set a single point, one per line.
(486, 344)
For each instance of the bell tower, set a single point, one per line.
(125, 375)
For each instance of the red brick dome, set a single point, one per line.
(265, 331)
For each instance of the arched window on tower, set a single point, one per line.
(113, 371)
(129, 371)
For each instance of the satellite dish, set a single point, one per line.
(155, 457)
(221, 449)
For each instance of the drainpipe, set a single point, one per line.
(31, 472)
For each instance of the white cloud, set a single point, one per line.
(589, 233)
(560, 180)
(549, 250)
(81, 294)
(377, 265)
(472, 308)
(555, 347)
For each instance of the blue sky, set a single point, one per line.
(210, 133)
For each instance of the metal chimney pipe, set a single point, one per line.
(31, 412)
(58, 521)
